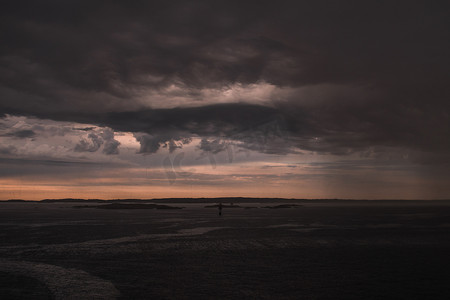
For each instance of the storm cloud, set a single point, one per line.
(20, 134)
(335, 77)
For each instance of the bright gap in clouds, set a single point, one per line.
(179, 94)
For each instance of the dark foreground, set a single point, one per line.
(327, 250)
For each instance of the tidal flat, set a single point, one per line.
(326, 249)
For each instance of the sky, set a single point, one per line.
(292, 99)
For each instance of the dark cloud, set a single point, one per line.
(330, 127)
(148, 143)
(252, 125)
(214, 146)
(111, 147)
(91, 145)
(152, 143)
(84, 128)
(96, 140)
(21, 134)
(173, 144)
(105, 63)
(327, 129)
(116, 48)
(224, 119)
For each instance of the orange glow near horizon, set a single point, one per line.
(45, 190)
(114, 188)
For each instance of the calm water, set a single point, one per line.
(332, 250)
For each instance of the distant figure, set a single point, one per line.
(220, 208)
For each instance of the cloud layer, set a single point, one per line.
(349, 74)
(126, 82)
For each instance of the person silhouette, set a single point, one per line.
(220, 208)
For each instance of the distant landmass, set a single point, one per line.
(216, 200)
(129, 206)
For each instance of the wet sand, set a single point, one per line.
(317, 250)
